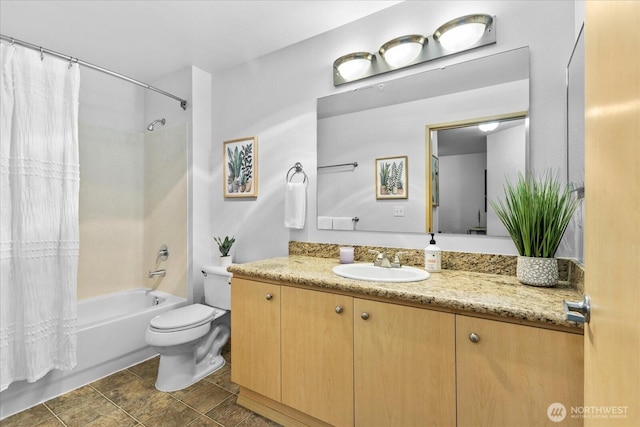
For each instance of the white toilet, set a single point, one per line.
(190, 339)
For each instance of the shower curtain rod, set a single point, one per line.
(183, 103)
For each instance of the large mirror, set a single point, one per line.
(391, 123)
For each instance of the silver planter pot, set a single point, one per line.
(542, 272)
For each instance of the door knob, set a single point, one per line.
(268, 297)
(364, 315)
(339, 309)
(583, 307)
(474, 338)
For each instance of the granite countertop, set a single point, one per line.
(460, 291)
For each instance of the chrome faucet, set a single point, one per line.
(381, 259)
(157, 273)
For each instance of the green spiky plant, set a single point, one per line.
(224, 245)
(384, 174)
(235, 162)
(536, 212)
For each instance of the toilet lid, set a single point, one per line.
(187, 317)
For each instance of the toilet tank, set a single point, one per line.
(217, 286)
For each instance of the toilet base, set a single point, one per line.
(179, 371)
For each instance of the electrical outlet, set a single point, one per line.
(398, 211)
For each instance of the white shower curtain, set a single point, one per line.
(39, 171)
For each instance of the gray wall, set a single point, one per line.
(274, 98)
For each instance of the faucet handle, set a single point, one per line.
(396, 259)
(163, 253)
(379, 257)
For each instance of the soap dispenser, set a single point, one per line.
(432, 256)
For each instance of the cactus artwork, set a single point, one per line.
(391, 178)
(240, 168)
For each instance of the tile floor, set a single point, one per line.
(129, 398)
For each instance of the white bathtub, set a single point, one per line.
(110, 338)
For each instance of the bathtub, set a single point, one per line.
(111, 332)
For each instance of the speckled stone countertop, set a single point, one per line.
(454, 290)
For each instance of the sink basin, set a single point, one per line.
(371, 273)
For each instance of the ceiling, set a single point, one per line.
(149, 39)
(469, 139)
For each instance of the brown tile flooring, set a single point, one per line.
(129, 398)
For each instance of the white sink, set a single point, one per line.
(371, 273)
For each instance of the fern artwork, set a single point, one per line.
(239, 158)
(391, 178)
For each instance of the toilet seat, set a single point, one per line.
(189, 317)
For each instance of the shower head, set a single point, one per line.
(153, 123)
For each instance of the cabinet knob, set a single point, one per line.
(474, 338)
(339, 309)
(269, 297)
(364, 315)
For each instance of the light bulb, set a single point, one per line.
(462, 33)
(354, 65)
(489, 126)
(402, 50)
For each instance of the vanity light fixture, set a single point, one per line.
(353, 65)
(476, 30)
(488, 126)
(462, 33)
(402, 50)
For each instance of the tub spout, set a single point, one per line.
(157, 273)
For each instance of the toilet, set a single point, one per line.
(190, 339)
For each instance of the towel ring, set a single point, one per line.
(297, 168)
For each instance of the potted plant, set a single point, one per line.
(536, 212)
(225, 246)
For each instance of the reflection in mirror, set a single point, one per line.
(388, 120)
(472, 166)
(575, 139)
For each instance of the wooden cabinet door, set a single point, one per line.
(404, 363)
(255, 336)
(513, 374)
(317, 354)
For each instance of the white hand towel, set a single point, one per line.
(295, 202)
(325, 223)
(342, 223)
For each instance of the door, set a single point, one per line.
(317, 354)
(255, 336)
(612, 213)
(404, 366)
(509, 375)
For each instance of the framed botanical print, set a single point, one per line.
(240, 159)
(435, 181)
(392, 178)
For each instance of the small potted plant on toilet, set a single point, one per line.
(225, 246)
(536, 211)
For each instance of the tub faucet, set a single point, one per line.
(381, 259)
(157, 273)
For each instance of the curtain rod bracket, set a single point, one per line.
(183, 104)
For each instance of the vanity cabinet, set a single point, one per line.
(404, 365)
(255, 336)
(311, 357)
(509, 374)
(317, 354)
